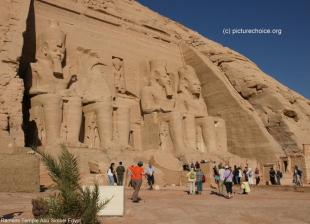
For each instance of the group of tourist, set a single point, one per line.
(195, 177)
(275, 175)
(237, 174)
(136, 173)
(224, 176)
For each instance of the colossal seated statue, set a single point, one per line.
(48, 84)
(98, 106)
(197, 122)
(158, 98)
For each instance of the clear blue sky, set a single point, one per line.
(285, 57)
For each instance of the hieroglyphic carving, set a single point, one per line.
(119, 78)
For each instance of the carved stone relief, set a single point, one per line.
(85, 104)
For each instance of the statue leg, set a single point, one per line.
(74, 121)
(176, 132)
(208, 132)
(123, 124)
(52, 112)
(190, 133)
(104, 123)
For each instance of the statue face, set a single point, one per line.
(55, 51)
(194, 86)
(163, 79)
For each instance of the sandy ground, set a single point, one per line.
(174, 206)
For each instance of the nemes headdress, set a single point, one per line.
(52, 34)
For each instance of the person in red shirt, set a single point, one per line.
(136, 180)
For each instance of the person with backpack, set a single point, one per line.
(120, 170)
(191, 175)
(199, 177)
(279, 176)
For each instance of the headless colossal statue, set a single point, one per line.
(98, 106)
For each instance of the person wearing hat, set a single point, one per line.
(228, 179)
(136, 179)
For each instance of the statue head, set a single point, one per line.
(51, 47)
(188, 81)
(159, 75)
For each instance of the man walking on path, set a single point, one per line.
(120, 170)
(136, 180)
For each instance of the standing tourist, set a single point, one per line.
(150, 176)
(257, 178)
(220, 165)
(240, 175)
(279, 176)
(221, 181)
(236, 175)
(136, 180)
(216, 175)
(197, 165)
(244, 173)
(297, 176)
(120, 170)
(191, 176)
(228, 181)
(199, 175)
(250, 176)
(272, 174)
(111, 174)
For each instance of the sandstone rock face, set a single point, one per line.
(115, 76)
(13, 15)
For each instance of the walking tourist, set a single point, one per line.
(136, 180)
(228, 181)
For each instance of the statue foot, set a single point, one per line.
(76, 144)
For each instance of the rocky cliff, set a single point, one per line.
(264, 119)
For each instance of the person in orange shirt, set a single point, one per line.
(136, 179)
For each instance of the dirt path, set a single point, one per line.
(172, 205)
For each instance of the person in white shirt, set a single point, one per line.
(150, 176)
(111, 174)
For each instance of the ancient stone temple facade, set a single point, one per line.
(115, 81)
